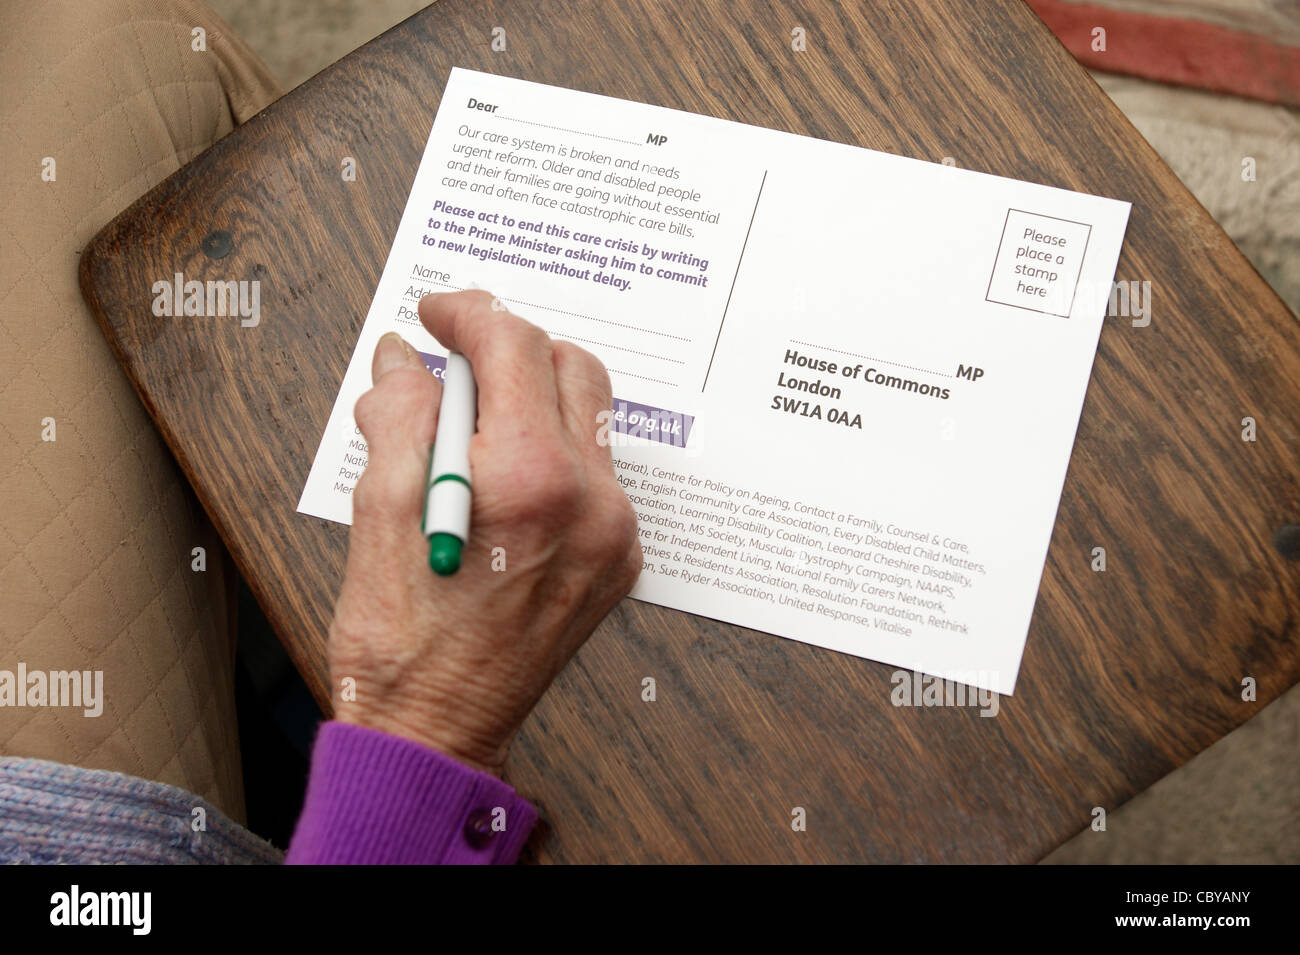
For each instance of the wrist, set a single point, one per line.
(477, 750)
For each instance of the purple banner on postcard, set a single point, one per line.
(651, 423)
(627, 417)
(435, 363)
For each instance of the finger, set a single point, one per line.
(511, 359)
(398, 418)
(586, 400)
(391, 353)
(400, 411)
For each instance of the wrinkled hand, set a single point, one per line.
(457, 663)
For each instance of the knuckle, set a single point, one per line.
(380, 496)
(567, 352)
(551, 493)
(468, 302)
(409, 386)
(612, 523)
(624, 526)
(509, 326)
(511, 340)
(583, 365)
(632, 564)
(390, 411)
(365, 409)
(531, 338)
(556, 489)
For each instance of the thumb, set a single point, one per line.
(392, 353)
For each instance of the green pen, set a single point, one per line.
(447, 502)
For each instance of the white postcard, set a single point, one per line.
(846, 383)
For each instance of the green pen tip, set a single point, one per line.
(444, 553)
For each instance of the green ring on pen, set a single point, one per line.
(444, 549)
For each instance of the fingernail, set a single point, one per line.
(391, 352)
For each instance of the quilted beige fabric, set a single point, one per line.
(98, 526)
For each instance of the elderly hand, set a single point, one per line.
(457, 663)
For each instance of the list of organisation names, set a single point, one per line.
(837, 564)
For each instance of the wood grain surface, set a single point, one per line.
(1127, 673)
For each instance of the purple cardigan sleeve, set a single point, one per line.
(377, 799)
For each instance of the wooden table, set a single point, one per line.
(1127, 674)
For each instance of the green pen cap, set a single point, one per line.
(444, 553)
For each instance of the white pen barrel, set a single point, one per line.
(447, 510)
(448, 505)
(455, 419)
